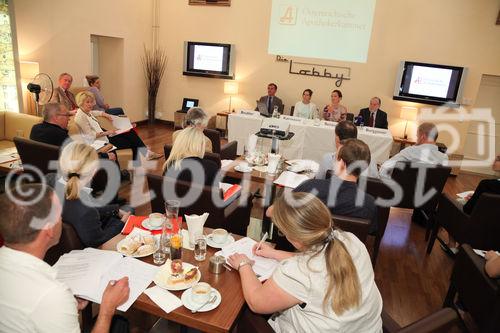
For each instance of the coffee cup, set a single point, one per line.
(156, 219)
(219, 236)
(200, 292)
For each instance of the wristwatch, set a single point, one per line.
(243, 263)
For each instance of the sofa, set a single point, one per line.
(14, 124)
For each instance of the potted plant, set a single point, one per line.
(154, 63)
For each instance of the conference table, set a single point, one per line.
(221, 319)
(310, 141)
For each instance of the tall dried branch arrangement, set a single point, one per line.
(154, 63)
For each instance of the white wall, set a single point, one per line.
(454, 32)
(56, 33)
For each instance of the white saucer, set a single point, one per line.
(148, 226)
(188, 303)
(211, 243)
(240, 169)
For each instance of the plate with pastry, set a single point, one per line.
(177, 275)
(137, 246)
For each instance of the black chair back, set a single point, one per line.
(378, 189)
(214, 136)
(478, 293)
(292, 110)
(209, 200)
(357, 226)
(483, 229)
(407, 176)
(36, 154)
(69, 241)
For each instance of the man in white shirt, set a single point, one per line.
(424, 151)
(31, 299)
(343, 131)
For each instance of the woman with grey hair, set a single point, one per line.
(197, 118)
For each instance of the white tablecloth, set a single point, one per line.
(309, 142)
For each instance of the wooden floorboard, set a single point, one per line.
(412, 283)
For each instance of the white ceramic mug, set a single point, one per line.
(200, 292)
(219, 236)
(156, 219)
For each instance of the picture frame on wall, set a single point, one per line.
(210, 2)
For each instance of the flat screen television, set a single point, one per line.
(429, 83)
(208, 59)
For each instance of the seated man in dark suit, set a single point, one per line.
(53, 129)
(271, 100)
(373, 116)
(340, 193)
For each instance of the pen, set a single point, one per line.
(261, 241)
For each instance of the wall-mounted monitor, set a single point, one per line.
(209, 60)
(429, 83)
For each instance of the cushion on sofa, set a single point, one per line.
(19, 123)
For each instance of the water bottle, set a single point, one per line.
(276, 114)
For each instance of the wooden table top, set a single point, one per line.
(222, 318)
(255, 176)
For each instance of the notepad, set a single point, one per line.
(290, 179)
(88, 272)
(263, 267)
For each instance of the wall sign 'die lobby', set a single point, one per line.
(210, 2)
(337, 73)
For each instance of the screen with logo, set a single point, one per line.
(209, 58)
(433, 83)
(324, 29)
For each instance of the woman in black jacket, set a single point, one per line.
(94, 223)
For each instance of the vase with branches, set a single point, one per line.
(154, 62)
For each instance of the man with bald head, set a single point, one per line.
(373, 116)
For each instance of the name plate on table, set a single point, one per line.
(330, 123)
(292, 118)
(251, 113)
(375, 131)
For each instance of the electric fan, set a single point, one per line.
(41, 89)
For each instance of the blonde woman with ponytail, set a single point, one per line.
(94, 224)
(186, 158)
(326, 286)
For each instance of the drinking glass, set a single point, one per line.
(159, 256)
(171, 212)
(200, 248)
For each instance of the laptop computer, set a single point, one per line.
(188, 103)
(262, 107)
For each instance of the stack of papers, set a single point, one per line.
(263, 267)
(290, 179)
(122, 124)
(88, 272)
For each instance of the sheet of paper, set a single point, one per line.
(483, 252)
(8, 158)
(225, 163)
(290, 179)
(121, 123)
(98, 144)
(140, 275)
(263, 267)
(463, 195)
(87, 273)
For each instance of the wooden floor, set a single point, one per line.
(412, 284)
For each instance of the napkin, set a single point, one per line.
(195, 226)
(167, 301)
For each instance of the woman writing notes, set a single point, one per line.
(327, 286)
(305, 108)
(335, 111)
